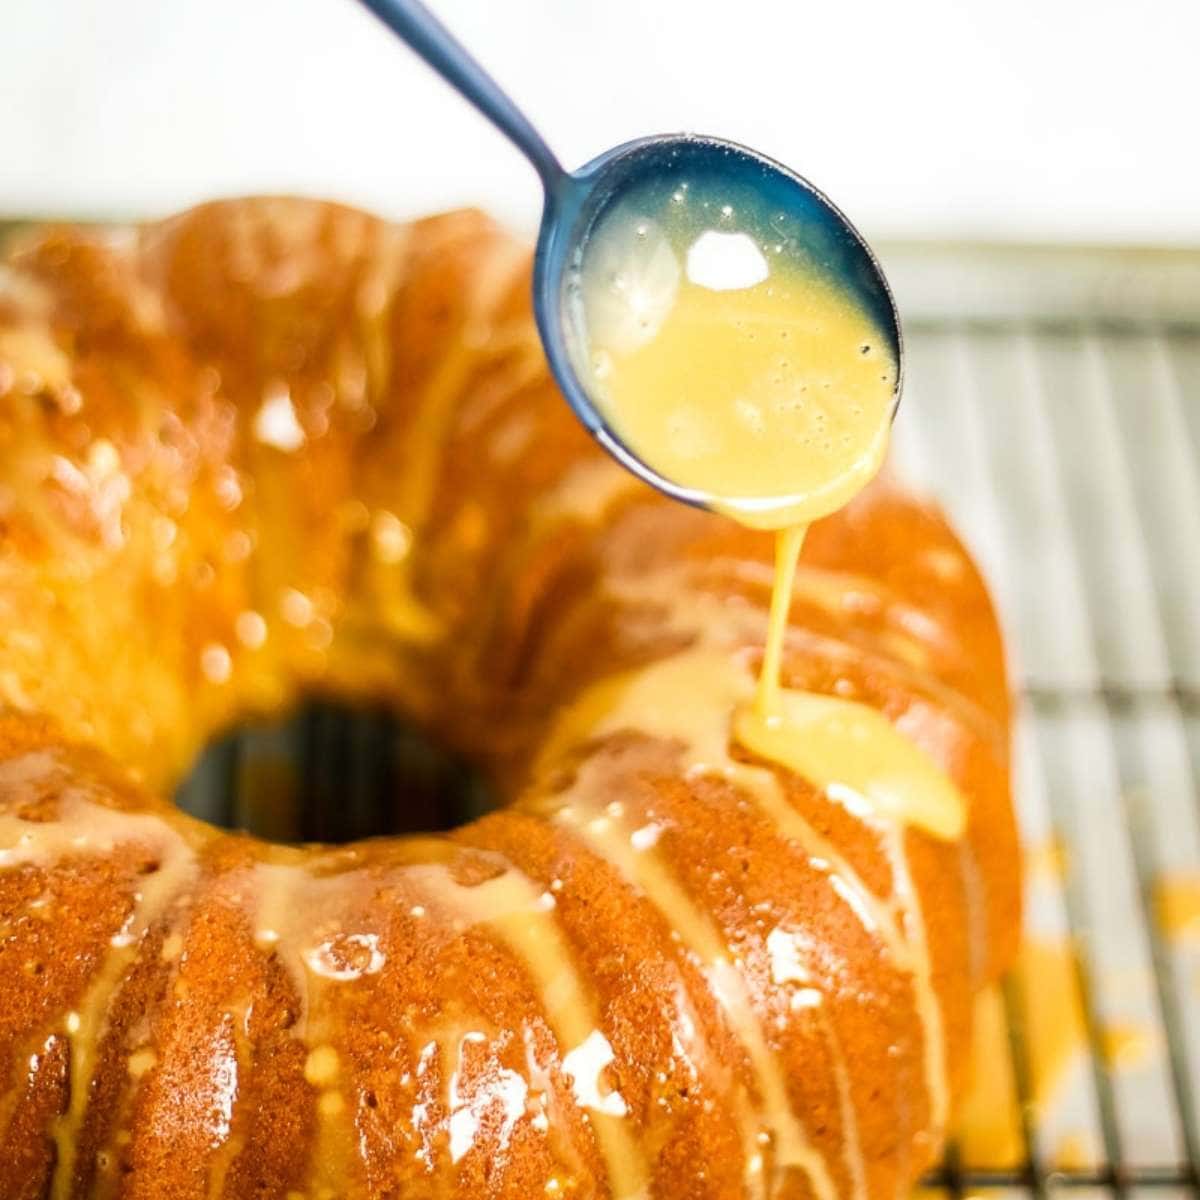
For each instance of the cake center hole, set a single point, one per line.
(331, 773)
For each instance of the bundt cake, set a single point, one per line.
(274, 447)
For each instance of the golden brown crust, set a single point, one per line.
(275, 445)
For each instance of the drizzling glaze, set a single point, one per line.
(392, 534)
(693, 700)
(172, 867)
(600, 825)
(733, 366)
(523, 917)
(788, 545)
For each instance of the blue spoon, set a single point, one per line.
(575, 202)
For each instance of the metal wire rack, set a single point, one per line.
(1059, 422)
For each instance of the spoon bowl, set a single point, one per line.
(713, 171)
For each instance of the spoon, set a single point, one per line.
(575, 203)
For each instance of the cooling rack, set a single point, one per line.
(1056, 415)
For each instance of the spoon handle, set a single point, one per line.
(425, 34)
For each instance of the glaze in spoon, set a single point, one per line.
(622, 235)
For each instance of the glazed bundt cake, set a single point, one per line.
(274, 447)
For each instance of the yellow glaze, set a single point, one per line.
(847, 748)
(750, 376)
(524, 918)
(857, 755)
(787, 553)
(691, 700)
(746, 375)
(1177, 906)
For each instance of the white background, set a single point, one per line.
(1007, 119)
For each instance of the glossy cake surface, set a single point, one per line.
(273, 447)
